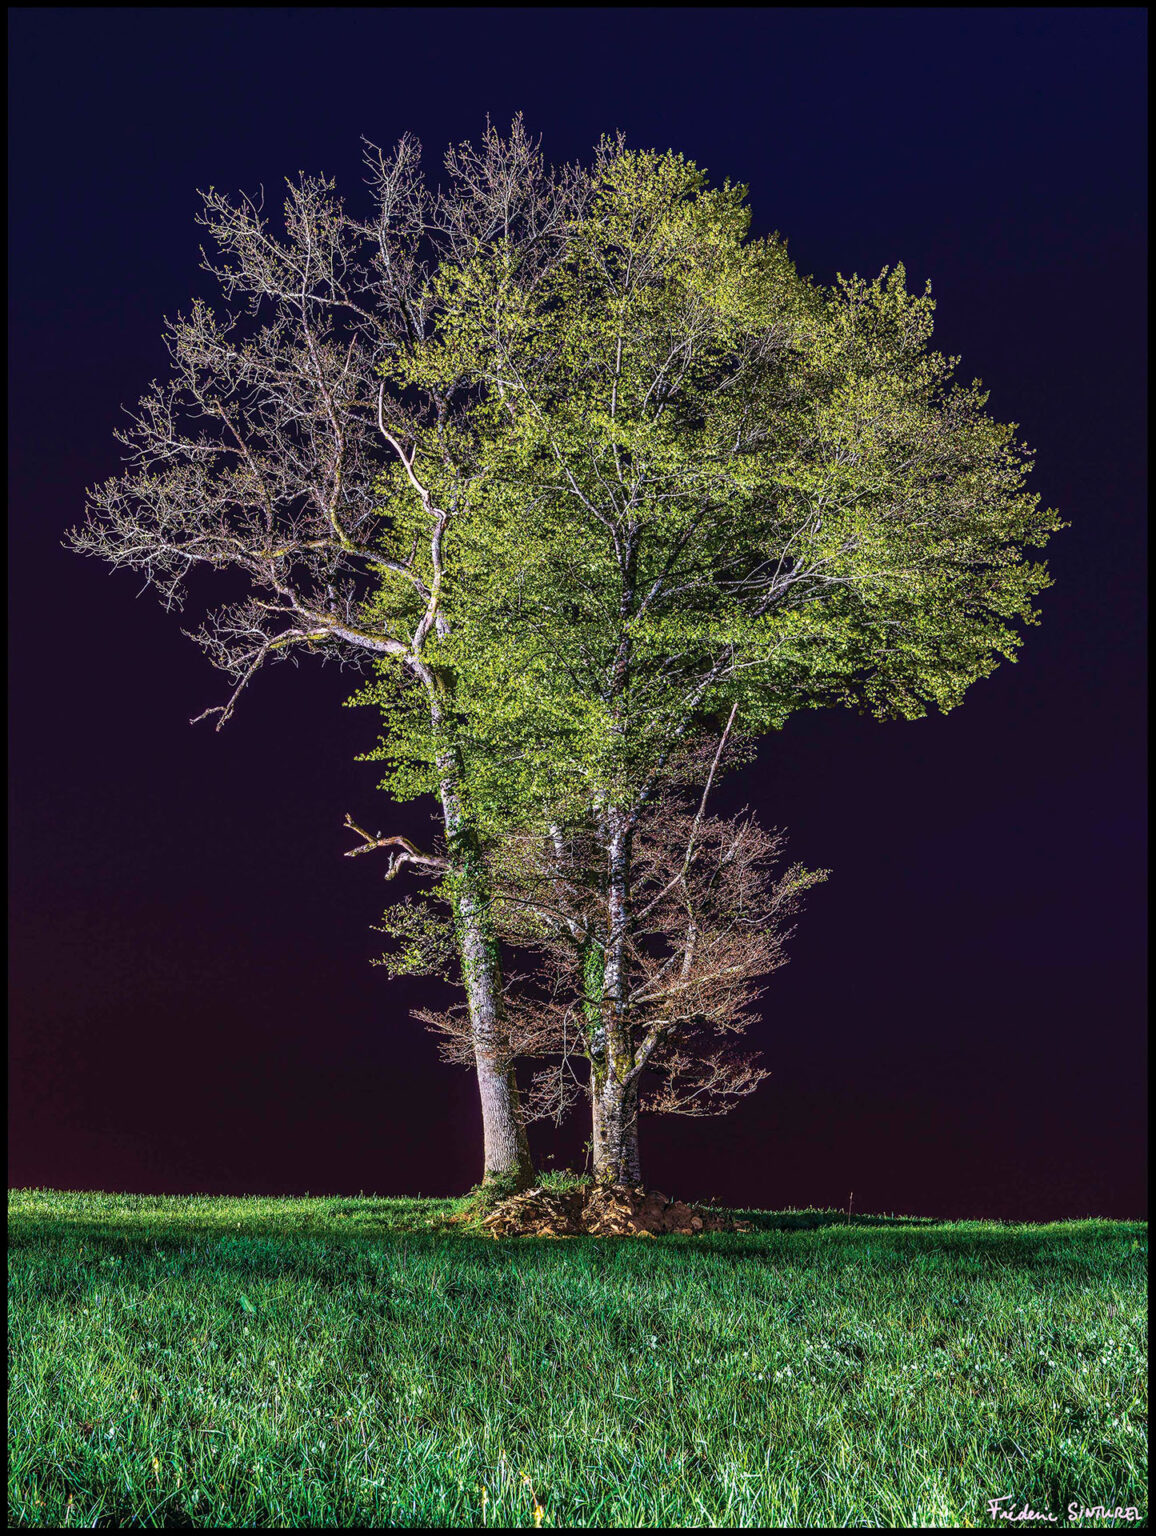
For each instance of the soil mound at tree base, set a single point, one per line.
(602, 1211)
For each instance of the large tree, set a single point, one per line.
(294, 449)
(705, 483)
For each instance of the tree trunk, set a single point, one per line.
(506, 1154)
(613, 1080)
(615, 1115)
(506, 1149)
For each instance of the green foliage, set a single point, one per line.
(411, 743)
(424, 939)
(477, 1203)
(562, 1180)
(699, 479)
(809, 1373)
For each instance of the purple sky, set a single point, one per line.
(960, 1030)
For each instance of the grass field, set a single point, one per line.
(337, 1362)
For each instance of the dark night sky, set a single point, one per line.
(960, 1031)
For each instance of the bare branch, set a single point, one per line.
(265, 452)
(410, 853)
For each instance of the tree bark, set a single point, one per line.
(506, 1146)
(615, 1116)
(613, 1078)
(506, 1154)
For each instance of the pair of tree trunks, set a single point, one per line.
(614, 1087)
(614, 1071)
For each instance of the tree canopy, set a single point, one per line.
(705, 480)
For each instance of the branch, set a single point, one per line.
(410, 853)
(681, 875)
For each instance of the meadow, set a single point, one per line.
(372, 1362)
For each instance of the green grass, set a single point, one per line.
(335, 1362)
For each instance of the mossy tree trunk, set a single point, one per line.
(615, 1116)
(614, 1072)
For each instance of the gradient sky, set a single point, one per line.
(960, 1030)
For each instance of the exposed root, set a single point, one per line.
(601, 1211)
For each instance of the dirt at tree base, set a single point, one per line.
(602, 1211)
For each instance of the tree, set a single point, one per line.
(295, 449)
(709, 926)
(707, 484)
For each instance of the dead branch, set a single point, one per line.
(410, 853)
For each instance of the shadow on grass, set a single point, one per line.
(813, 1220)
(321, 1235)
(152, 1242)
(414, 1228)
